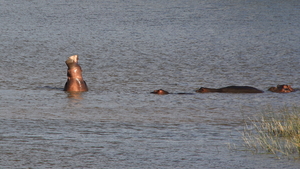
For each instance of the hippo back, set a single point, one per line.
(240, 89)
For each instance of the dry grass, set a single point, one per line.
(277, 132)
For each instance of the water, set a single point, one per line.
(126, 50)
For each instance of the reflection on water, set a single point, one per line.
(74, 98)
(128, 49)
(75, 95)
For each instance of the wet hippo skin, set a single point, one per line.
(163, 92)
(230, 89)
(75, 82)
(282, 89)
(160, 92)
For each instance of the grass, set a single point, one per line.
(276, 132)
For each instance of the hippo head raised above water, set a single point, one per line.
(75, 82)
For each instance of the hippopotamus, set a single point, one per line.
(160, 92)
(163, 92)
(75, 82)
(230, 89)
(282, 89)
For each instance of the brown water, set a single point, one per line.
(128, 49)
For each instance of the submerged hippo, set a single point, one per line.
(75, 82)
(230, 89)
(160, 92)
(163, 92)
(282, 89)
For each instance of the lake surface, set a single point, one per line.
(127, 49)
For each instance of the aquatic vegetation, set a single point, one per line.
(276, 132)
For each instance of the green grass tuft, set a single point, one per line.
(276, 132)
